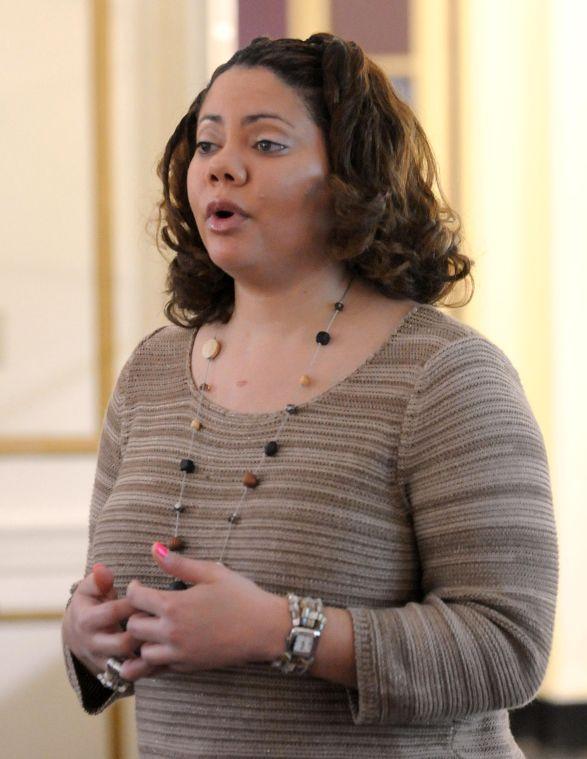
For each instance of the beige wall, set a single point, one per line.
(567, 274)
(523, 117)
(157, 61)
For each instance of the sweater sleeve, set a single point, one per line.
(92, 695)
(473, 472)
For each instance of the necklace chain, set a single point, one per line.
(188, 466)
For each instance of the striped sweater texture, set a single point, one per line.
(414, 493)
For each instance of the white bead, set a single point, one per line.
(211, 348)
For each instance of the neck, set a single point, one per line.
(287, 309)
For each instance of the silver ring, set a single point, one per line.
(111, 677)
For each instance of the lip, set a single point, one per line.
(223, 205)
(218, 224)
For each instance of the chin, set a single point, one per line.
(230, 261)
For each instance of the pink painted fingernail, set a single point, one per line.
(161, 550)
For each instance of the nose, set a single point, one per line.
(226, 167)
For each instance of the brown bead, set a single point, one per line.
(211, 348)
(176, 544)
(196, 424)
(305, 380)
(249, 480)
(204, 386)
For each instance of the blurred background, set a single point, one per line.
(91, 90)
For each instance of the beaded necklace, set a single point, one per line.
(187, 466)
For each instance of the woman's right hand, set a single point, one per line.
(92, 625)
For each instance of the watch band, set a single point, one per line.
(308, 621)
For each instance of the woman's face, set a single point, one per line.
(258, 148)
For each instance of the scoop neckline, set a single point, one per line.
(317, 399)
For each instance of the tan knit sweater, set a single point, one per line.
(415, 493)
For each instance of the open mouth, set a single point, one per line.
(225, 220)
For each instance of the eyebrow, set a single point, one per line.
(246, 119)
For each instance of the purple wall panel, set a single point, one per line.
(260, 18)
(378, 26)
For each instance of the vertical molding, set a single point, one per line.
(567, 676)
(429, 48)
(507, 199)
(197, 47)
(454, 120)
(221, 32)
(453, 99)
(307, 17)
(158, 64)
(505, 183)
(115, 731)
(103, 224)
(435, 52)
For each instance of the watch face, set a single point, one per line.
(303, 642)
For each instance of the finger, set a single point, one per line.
(89, 587)
(145, 627)
(120, 645)
(189, 570)
(135, 669)
(104, 578)
(146, 599)
(108, 614)
(157, 654)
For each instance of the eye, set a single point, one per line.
(270, 142)
(200, 147)
(204, 147)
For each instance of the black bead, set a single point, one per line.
(338, 306)
(291, 408)
(234, 518)
(177, 585)
(187, 465)
(323, 338)
(271, 448)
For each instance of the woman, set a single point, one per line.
(346, 486)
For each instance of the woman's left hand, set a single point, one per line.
(223, 620)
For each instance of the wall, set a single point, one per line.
(523, 114)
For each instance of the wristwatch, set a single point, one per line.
(308, 621)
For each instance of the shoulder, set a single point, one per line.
(442, 347)
(467, 396)
(463, 382)
(160, 346)
(456, 373)
(159, 355)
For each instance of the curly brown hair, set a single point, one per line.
(390, 227)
